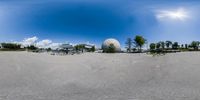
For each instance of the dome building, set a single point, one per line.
(106, 44)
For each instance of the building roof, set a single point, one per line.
(64, 46)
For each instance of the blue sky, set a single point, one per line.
(79, 21)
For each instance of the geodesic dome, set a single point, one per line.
(110, 41)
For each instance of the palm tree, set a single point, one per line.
(129, 44)
(168, 44)
(139, 41)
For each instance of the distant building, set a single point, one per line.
(70, 49)
(22, 46)
(87, 47)
(108, 42)
(66, 48)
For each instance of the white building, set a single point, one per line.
(66, 47)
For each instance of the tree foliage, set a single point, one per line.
(31, 47)
(152, 46)
(168, 44)
(11, 46)
(195, 45)
(186, 46)
(175, 45)
(139, 41)
(162, 44)
(93, 49)
(158, 45)
(79, 47)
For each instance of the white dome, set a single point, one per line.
(110, 41)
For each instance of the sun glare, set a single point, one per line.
(179, 14)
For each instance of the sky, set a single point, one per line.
(93, 21)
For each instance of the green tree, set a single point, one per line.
(195, 45)
(162, 44)
(158, 45)
(79, 47)
(48, 49)
(111, 49)
(152, 46)
(139, 41)
(76, 47)
(168, 44)
(82, 47)
(182, 46)
(11, 46)
(32, 47)
(93, 49)
(175, 45)
(129, 44)
(186, 46)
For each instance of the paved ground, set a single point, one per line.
(95, 76)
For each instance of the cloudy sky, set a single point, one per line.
(79, 21)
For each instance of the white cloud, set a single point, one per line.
(54, 45)
(46, 43)
(29, 41)
(178, 14)
(88, 43)
(43, 43)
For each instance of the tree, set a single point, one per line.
(195, 45)
(158, 45)
(168, 44)
(162, 44)
(152, 46)
(111, 49)
(134, 49)
(186, 46)
(175, 45)
(76, 47)
(48, 49)
(128, 44)
(32, 47)
(79, 47)
(11, 46)
(139, 41)
(93, 49)
(182, 46)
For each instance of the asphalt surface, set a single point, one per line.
(96, 76)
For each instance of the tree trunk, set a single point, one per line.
(140, 49)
